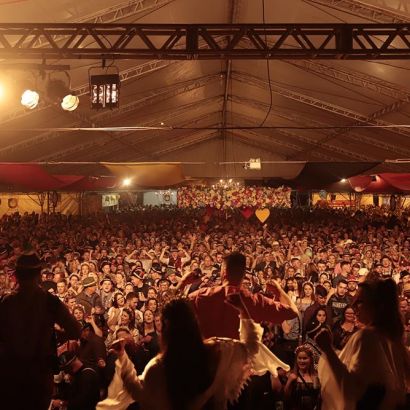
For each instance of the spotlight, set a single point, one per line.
(105, 90)
(70, 102)
(30, 99)
(126, 182)
(343, 180)
(58, 91)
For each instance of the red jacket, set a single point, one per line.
(217, 318)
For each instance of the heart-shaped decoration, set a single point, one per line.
(247, 212)
(262, 214)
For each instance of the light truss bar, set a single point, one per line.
(320, 104)
(355, 78)
(153, 140)
(111, 14)
(366, 10)
(160, 41)
(153, 97)
(297, 119)
(99, 147)
(174, 145)
(99, 144)
(83, 89)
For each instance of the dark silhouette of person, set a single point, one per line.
(28, 354)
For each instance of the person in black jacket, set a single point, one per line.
(338, 301)
(28, 354)
(83, 392)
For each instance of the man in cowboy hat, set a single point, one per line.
(27, 353)
(89, 297)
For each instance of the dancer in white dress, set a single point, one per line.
(179, 382)
(372, 371)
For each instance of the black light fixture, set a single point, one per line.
(105, 90)
(59, 90)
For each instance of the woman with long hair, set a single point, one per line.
(344, 329)
(189, 373)
(373, 368)
(126, 320)
(114, 312)
(302, 390)
(307, 297)
(149, 335)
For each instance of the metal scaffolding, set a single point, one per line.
(162, 41)
(153, 97)
(380, 14)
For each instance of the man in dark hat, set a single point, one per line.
(27, 350)
(89, 297)
(83, 392)
(140, 288)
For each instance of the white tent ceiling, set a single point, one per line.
(305, 93)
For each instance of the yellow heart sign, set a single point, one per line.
(262, 214)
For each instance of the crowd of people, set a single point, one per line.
(116, 273)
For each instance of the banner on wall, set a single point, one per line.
(110, 200)
(160, 197)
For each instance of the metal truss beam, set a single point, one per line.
(155, 96)
(354, 78)
(296, 119)
(265, 142)
(299, 118)
(320, 104)
(98, 145)
(123, 10)
(175, 145)
(83, 89)
(161, 41)
(153, 138)
(399, 5)
(111, 14)
(365, 10)
(141, 139)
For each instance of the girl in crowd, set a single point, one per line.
(79, 313)
(321, 315)
(312, 329)
(84, 270)
(149, 335)
(152, 305)
(302, 390)
(373, 368)
(114, 312)
(126, 321)
(129, 287)
(328, 285)
(344, 329)
(307, 297)
(120, 281)
(74, 283)
(323, 277)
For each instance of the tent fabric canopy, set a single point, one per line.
(217, 111)
(149, 175)
(380, 183)
(34, 177)
(314, 176)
